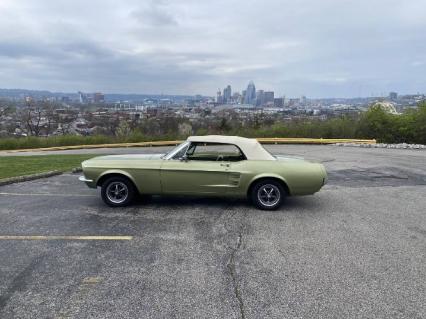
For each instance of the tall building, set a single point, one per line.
(227, 93)
(279, 102)
(250, 96)
(260, 98)
(98, 97)
(268, 98)
(219, 98)
(393, 96)
(82, 97)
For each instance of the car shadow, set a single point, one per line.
(189, 201)
(172, 202)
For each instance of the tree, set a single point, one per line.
(419, 124)
(376, 123)
(123, 129)
(31, 117)
(223, 125)
(49, 115)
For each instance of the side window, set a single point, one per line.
(214, 152)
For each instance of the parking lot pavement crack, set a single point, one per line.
(233, 273)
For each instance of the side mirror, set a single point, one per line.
(184, 158)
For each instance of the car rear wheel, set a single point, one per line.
(268, 194)
(117, 191)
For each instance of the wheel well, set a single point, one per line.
(106, 176)
(283, 184)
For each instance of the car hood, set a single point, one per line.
(128, 157)
(131, 156)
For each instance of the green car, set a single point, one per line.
(205, 166)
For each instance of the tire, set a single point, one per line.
(118, 191)
(268, 194)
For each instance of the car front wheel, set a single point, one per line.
(268, 194)
(117, 191)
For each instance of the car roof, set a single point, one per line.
(251, 148)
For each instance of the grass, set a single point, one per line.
(11, 166)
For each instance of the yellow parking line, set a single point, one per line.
(46, 194)
(66, 237)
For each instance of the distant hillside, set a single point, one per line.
(18, 93)
(109, 97)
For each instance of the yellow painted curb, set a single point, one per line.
(263, 140)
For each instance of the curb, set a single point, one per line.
(385, 145)
(25, 178)
(262, 140)
(94, 146)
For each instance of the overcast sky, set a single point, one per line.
(318, 48)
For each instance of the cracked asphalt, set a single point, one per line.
(356, 249)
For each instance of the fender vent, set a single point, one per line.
(234, 179)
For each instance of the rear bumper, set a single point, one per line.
(325, 175)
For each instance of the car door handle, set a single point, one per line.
(224, 164)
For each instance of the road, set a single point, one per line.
(356, 249)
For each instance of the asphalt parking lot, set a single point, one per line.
(356, 249)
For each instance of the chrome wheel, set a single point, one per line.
(117, 192)
(268, 195)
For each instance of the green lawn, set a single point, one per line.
(11, 166)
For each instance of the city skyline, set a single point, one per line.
(39, 92)
(318, 49)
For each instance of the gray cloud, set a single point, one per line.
(316, 48)
(155, 14)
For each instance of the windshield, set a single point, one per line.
(176, 150)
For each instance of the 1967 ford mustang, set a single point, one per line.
(206, 166)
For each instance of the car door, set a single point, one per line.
(194, 177)
(202, 173)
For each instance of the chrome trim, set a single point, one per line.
(268, 195)
(117, 192)
(84, 179)
(178, 148)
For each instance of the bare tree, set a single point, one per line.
(32, 116)
(50, 117)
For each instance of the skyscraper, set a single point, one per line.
(279, 102)
(219, 98)
(393, 96)
(260, 98)
(250, 96)
(227, 93)
(82, 97)
(98, 97)
(268, 97)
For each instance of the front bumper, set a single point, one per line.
(89, 182)
(84, 179)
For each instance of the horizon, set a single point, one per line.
(386, 94)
